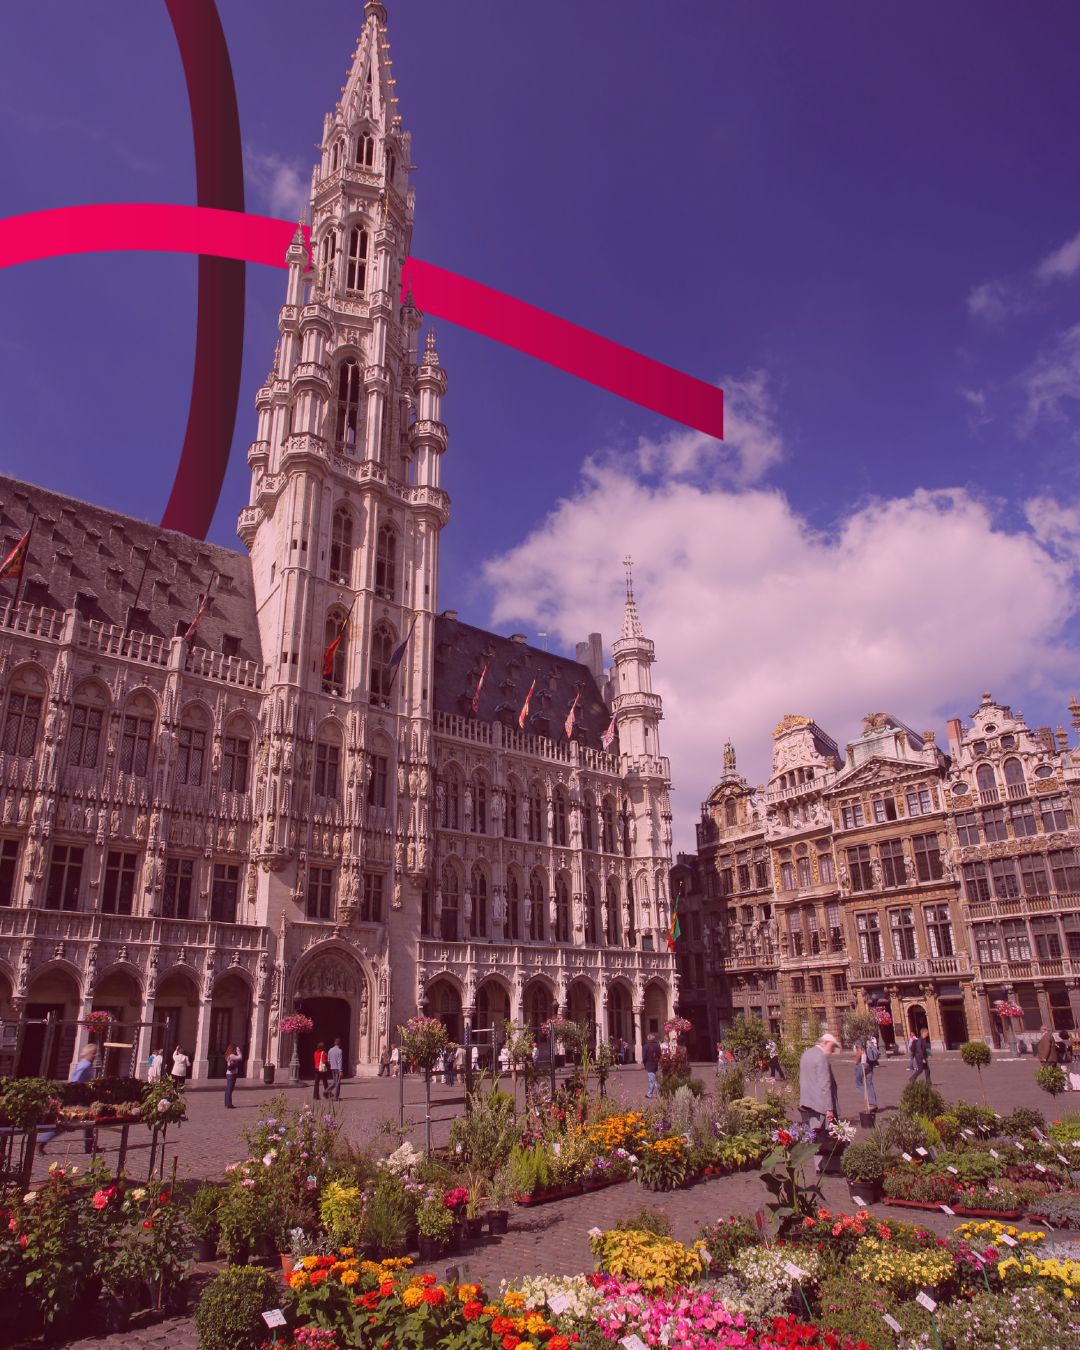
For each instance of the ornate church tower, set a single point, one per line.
(343, 530)
(646, 774)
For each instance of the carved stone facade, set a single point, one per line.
(935, 885)
(204, 831)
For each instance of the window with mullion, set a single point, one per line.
(795, 929)
(1033, 874)
(1056, 814)
(189, 756)
(905, 942)
(320, 893)
(65, 876)
(327, 764)
(119, 887)
(1003, 873)
(372, 908)
(939, 930)
(994, 826)
(892, 863)
(1047, 938)
(859, 869)
(234, 764)
(376, 785)
(927, 857)
(135, 746)
(967, 828)
(84, 738)
(176, 895)
(1066, 870)
(1023, 819)
(20, 728)
(976, 882)
(1014, 934)
(224, 892)
(9, 854)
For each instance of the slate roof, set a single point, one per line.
(92, 559)
(462, 652)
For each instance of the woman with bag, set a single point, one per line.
(866, 1057)
(232, 1069)
(321, 1071)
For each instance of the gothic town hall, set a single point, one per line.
(200, 835)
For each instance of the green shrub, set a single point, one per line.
(1064, 1133)
(862, 1162)
(726, 1238)
(386, 1216)
(975, 1054)
(228, 1316)
(731, 1083)
(920, 1099)
(855, 1308)
(1023, 1120)
(205, 1214)
(1051, 1079)
(648, 1219)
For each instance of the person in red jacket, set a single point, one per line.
(320, 1068)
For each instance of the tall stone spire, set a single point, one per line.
(631, 622)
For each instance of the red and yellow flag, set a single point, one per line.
(568, 725)
(331, 651)
(609, 735)
(674, 931)
(525, 706)
(479, 686)
(15, 561)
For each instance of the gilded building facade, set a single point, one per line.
(937, 885)
(200, 832)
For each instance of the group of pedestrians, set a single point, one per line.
(329, 1066)
(1055, 1047)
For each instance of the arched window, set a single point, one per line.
(191, 750)
(591, 927)
(334, 158)
(535, 812)
(382, 648)
(334, 683)
(356, 265)
(451, 815)
(588, 824)
(348, 406)
(341, 548)
(538, 900)
(386, 563)
(478, 926)
(559, 813)
(538, 1008)
(25, 703)
(512, 922)
(328, 770)
(138, 731)
(365, 151)
(391, 165)
(87, 724)
(327, 253)
(729, 811)
(562, 910)
(988, 791)
(607, 843)
(1014, 778)
(450, 901)
(613, 925)
(479, 820)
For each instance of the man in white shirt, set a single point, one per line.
(336, 1062)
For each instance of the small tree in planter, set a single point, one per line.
(864, 1170)
(747, 1040)
(1051, 1079)
(976, 1055)
(423, 1040)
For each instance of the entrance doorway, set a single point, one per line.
(444, 1002)
(916, 1019)
(954, 1028)
(332, 1018)
(40, 1053)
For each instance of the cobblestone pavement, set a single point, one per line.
(549, 1238)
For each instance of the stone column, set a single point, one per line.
(200, 1066)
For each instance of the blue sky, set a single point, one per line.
(857, 218)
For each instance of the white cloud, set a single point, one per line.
(995, 301)
(1053, 378)
(914, 605)
(1063, 263)
(283, 185)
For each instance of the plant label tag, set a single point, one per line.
(953, 1170)
(794, 1271)
(633, 1343)
(1039, 1167)
(971, 1132)
(558, 1303)
(1008, 1241)
(921, 1152)
(274, 1317)
(1039, 1135)
(926, 1301)
(859, 1201)
(1062, 1158)
(933, 1152)
(1021, 1148)
(312, 1182)
(706, 1258)
(892, 1324)
(907, 1157)
(950, 1212)
(994, 1153)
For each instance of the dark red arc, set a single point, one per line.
(219, 340)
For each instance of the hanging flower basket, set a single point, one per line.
(294, 1023)
(1004, 1008)
(882, 1016)
(679, 1025)
(98, 1022)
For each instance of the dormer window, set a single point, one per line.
(334, 159)
(365, 151)
(356, 268)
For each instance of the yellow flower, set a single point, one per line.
(514, 1300)
(534, 1324)
(310, 1262)
(347, 1251)
(413, 1296)
(350, 1277)
(297, 1280)
(490, 1310)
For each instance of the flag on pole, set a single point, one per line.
(480, 685)
(674, 931)
(525, 706)
(15, 561)
(204, 600)
(568, 726)
(609, 735)
(332, 650)
(399, 652)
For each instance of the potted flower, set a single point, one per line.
(204, 1219)
(436, 1227)
(124, 1264)
(864, 1170)
(478, 1193)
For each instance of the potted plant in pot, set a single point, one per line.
(204, 1220)
(504, 1185)
(436, 1226)
(478, 1193)
(124, 1264)
(864, 1170)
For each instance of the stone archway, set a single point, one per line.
(333, 989)
(50, 1039)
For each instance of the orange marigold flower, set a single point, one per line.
(472, 1310)
(385, 1290)
(510, 1341)
(501, 1325)
(298, 1279)
(434, 1296)
(426, 1280)
(370, 1300)
(317, 1276)
(558, 1343)
(490, 1310)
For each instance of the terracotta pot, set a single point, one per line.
(288, 1263)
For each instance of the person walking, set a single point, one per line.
(180, 1066)
(157, 1066)
(233, 1060)
(320, 1069)
(1047, 1049)
(818, 1103)
(650, 1061)
(1065, 1054)
(504, 1060)
(623, 1050)
(921, 1055)
(384, 1062)
(81, 1073)
(395, 1061)
(775, 1067)
(911, 1052)
(336, 1060)
(866, 1057)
